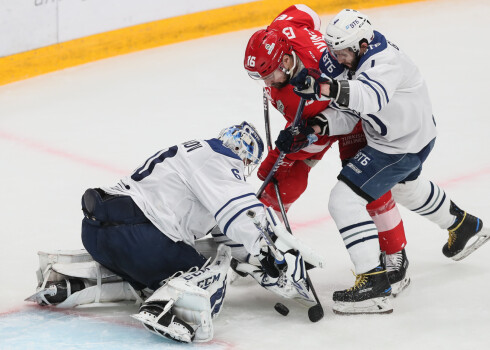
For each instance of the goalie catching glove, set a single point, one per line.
(290, 280)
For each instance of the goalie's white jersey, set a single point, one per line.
(389, 95)
(186, 189)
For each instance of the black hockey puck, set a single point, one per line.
(282, 309)
(315, 313)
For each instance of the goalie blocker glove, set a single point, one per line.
(307, 85)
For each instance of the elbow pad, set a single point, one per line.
(322, 122)
(340, 91)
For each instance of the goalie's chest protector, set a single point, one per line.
(181, 188)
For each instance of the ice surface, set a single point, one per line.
(85, 127)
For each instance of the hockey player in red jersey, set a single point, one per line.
(276, 54)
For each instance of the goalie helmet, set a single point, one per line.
(264, 52)
(244, 141)
(347, 30)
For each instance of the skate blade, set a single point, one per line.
(38, 297)
(482, 237)
(397, 288)
(370, 306)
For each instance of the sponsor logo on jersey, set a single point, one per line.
(353, 167)
(280, 106)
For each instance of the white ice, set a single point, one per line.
(87, 126)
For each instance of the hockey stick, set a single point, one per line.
(279, 159)
(315, 313)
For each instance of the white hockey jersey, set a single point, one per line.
(186, 189)
(390, 96)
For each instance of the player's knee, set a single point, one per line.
(408, 193)
(343, 199)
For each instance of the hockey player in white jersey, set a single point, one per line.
(141, 235)
(369, 78)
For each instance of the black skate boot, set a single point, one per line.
(466, 227)
(396, 266)
(368, 296)
(56, 292)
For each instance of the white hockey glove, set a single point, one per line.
(291, 284)
(182, 309)
(286, 241)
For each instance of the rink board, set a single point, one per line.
(167, 31)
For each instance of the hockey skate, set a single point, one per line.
(467, 227)
(70, 278)
(369, 295)
(396, 266)
(183, 308)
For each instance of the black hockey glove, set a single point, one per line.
(307, 83)
(270, 264)
(291, 140)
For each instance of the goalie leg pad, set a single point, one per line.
(192, 299)
(156, 318)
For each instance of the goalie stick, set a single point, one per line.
(315, 312)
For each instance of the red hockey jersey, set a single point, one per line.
(301, 25)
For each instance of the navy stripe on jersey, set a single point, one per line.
(376, 45)
(377, 83)
(238, 214)
(382, 127)
(232, 200)
(376, 91)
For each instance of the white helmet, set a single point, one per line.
(347, 29)
(245, 142)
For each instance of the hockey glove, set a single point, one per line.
(307, 84)
(292, 140)
(271, 265)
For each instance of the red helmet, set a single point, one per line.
(264, 52)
